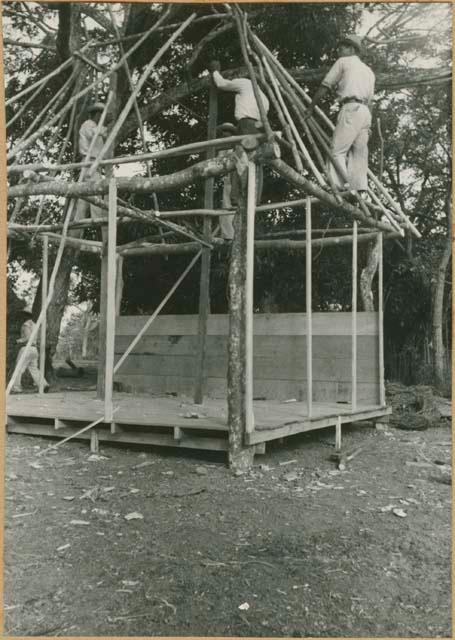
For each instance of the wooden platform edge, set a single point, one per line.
(121, 436)
(266, 435)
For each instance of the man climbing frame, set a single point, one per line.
(354, 82)
(246, 113)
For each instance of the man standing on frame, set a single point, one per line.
(353, 82)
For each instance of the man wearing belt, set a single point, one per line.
(246, 109)
(31, 360)
(354, 82)
(86, 134)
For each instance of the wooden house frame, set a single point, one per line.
(243, 424)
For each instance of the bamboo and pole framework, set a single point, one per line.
(302, 136)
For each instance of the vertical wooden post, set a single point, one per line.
(309, 324)
(241, 455)
(338, 434)
(204, 288)
(100, 385)
(381, 319)
(110, 300)
(119, 285)
(94, 441)
(354, 319)
(249, 296)
(44, 279)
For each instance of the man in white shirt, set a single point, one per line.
(31, 360)
(246, 111)
(353, 82)
(87, 133)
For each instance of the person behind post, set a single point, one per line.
(246, 111)
(353, 82)
(229, 197)
(90, 140)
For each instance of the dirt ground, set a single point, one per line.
(165, 542)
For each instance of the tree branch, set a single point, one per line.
(28, 45)
(98, 17)
(200, 171)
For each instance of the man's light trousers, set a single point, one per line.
(350, 145)
(30, 363)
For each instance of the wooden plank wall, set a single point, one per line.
(165, 359)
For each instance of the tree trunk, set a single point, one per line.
(367, 276)
(68, 39)
(88, 324)
(240, 455)
(438, 306)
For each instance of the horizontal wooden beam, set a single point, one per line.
(90, 246)
(162, 249)
(302, 232)
(182, 150)
(57, 187)
(260, 245)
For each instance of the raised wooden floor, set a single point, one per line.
(170, 421)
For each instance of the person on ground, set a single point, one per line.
(246, 110)
(31, 359)
(87, 133)
(353, 82)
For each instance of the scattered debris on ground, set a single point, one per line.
(160, 542)
(416, 407)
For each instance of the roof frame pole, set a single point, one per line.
(140, 83)
(136, 105)
(354, 319)
(110, 301)
(44, 279)
(381, 319)
(249, 297)
(241, 22)
(294, 130)
(284, 125)
(309, 319)
(22, 145)
(204, 286)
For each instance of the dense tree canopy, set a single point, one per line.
(407, 45)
